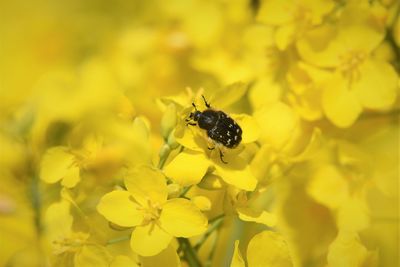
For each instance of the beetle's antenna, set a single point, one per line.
(205, 102)
(195, 108)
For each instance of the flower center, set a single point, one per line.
(152, 212)
(350, 64)
(71, 243)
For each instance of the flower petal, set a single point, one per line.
(346, 250)
(237, 259)
(285, 35)
(146, 183)
(118, 208)
(93, 256)
(275, 12)
(236, 172)
(353, 215)
(181, 218)
(179, 171)
(71, 177)
(56, 164)
(167, 257)
(268, 249)
(189, 137)
(277, 123)
(377, 86)
(58, 220)
(228, 95)
(149, 240)
(123, 261)
(340, 105)
(264, 217)
(328, 186)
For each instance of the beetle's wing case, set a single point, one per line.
(226, 131)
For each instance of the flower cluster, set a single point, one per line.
(102, 163)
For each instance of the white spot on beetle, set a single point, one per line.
(228, 134)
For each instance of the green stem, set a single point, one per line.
(118, 239)
(184, 191)
(215, 224)
(189, 253)
(164, 153)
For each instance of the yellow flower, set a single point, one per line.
(358, 80)
(293, 17)
(145, 206)
(59, 163)
(264, 249)
(347, 251)
(235, 172)
(69, 246)
(306, 82)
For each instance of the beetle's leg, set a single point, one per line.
(205, 102)
(191, 123)
(211, 148)
(221, 156)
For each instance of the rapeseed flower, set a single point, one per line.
(235, 172)
(347, 49)
(145, 206)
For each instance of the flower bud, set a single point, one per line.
(168, 121)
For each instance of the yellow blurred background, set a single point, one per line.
(67, 67)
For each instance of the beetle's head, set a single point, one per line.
(195, 115)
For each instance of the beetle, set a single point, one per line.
(221, 128)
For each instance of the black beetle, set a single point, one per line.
(220, 128)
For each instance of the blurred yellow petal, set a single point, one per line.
(277, 123)
(285, 35)
(167, 257)
(118, 207)
(187, 168)
(265, 91)
(264, 217)
(275, 12)
(250, 128)
(202, 202)
(236, 172)
(347, 251)
(71, 177)
(145, 183)
(149, 240)
(58, 220)
(237, 259)
(353, 215)
(268, 249)
(340, 104)
(93, 256)
(359, 28)
(328, 187)
(377, 86)
(228, 95)
(123, 261)
(181, 218)
(56, 164)
(320, 48)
